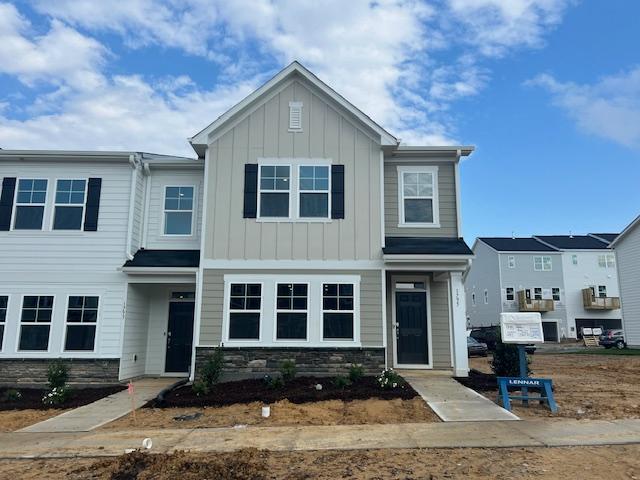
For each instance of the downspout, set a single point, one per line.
(133, 161)
(146, 171)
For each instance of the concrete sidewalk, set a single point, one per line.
(526, 433)
(105, 410)
(452, 401)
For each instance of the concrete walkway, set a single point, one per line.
(526, 433)
(452, 401)
(105, 410)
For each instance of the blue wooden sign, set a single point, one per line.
(524, 383)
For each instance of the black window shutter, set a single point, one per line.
(93, 205)
(6, 202)
(337, 191)
(250, 190)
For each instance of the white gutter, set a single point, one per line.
(147, 201)
(133, 161)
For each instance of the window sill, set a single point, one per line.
(418, 225)
(169, 236)
(293, 220)
(291, 344)
(295, 130)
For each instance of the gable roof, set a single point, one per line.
(508, 244)
(573, 242)
(635, 222)
(200, 140)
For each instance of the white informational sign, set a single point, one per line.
(521, 327)
(597, 331)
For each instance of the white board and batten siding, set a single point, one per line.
(627, 251)
(63, 263)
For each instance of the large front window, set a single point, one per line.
(82, 318)
(35, 322)
(291, 308)
(337, 311)
(244, 311)
(275, 186)
(178, 210)
(418, 196)
(30, 201)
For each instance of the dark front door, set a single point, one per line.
(411, 328)
(179, 337)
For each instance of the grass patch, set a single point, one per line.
(606, 351)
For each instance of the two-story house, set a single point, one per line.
(302, 231)
(570, 280)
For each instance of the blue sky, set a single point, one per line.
(548, 90)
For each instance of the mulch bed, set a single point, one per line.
(31, 398)
(479, 381)
(298, 390)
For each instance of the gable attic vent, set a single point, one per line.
(295, 116)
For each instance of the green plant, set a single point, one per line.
(56, 396)
(209, 372)
(273, 382)
(356, 372)
(12, 395)
(506, 360)
(389, 379)
(341, 381)
(57, 374)
(288, 370)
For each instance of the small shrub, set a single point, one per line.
(356, 372)
(209, 372)
(12, 395)
(288, 370)
(57, 374)
(341, 381)
(273, 382)
(506, 360)
(56, 396)
(389, 379)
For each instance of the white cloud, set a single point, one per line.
(609, 108)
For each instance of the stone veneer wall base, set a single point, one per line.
(82, 371)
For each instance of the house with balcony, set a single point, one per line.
(570, 280)
(301, 230)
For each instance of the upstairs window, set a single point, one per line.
(510, 294)
(82, 318)
(542, 264)
(275, 186)
(486, 297)
(314, 191)
(244, 311)
(295, 116)
(607, 261)
(35, 323)
(473, 299)
(4, 302)
(418, 196)
(574, 259)
(511, 261)
(178, 210)
(30, 201)
(69, 205)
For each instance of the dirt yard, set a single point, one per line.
(602, 387)
(330, 412)
(12, 420)
(584, 463)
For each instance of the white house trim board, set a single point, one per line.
(292, 264)
(194, 212)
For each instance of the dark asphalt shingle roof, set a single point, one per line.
(571, 242)
(609, 237)
(508, 244)
(164, 258)
(425, 246)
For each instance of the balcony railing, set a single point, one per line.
(533, 305)
(591, 302)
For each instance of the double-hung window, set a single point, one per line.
(555, 294)
(82, 318)
(602, 291)
(178, 210)
(510, 294)
(69, 205)
(4, 303)
(31, 197)
(338, 311)
(291, 311)
(418, 196)
(35, 322)
(537, 293)
(275, 187)
(244, 311)
(607, 260)
(313, 191)
(542, 264)
(511, 260)
(486, 297)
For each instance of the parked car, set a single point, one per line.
(613, 338)
(476, 348)
(490, 335)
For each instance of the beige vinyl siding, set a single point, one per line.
(446, 194)
(370, 302)
(327, 133)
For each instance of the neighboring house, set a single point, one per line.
(570, 279)
(627, 250)
(302, 231)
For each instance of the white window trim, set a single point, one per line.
(533, 297)
(559, 294)
(314, 310)
(294, 165)
(402, 169)
(4, 336)
(254, 341)
(604, 288)
(513, 294)
(609, 260)
(511, 261)
(279, 310)
(56, 204)
(16, 205)
(20, 323)
(352, 311)
(300, 191)
(164, 211)
(542, 269)
(293, 106)
(66, 323)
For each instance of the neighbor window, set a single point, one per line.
(607, 261)
(314, 192)
(274, 190)
(537, 293)
(511, 261)
(418, 196)
(178, 210)
(30, 201)
(69, 204)
(574, 259)
(473, 299)
(82, 318)
(4, 302)
(602, 291)
(486, 297)
(244, 311)
(337, 311)
(541, 264)
(35, 322)
(291, 311)
(510, 294)
(555, 294)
